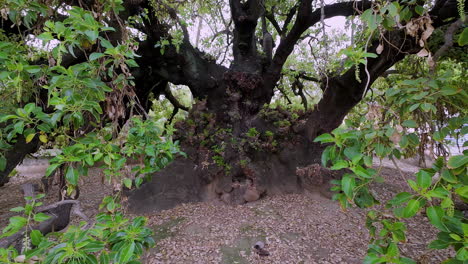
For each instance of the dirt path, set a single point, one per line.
(296, 228)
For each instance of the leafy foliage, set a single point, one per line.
(412, 116)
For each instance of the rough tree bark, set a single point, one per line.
(227, 162)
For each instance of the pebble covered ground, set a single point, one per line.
(296, 228)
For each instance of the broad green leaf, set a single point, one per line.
(36, 237)
(462, 191)
(347, 185)
(362, 172)
(52, 167)
(392, 250)
(411, 209)
(94, 246)
(324, 138)
(40, 217)
(17, 209)
(128, 183)
(43, 138)
(463, 38)
(29, 107)
(462, 254)
(409, 123)
(438, 244)
(404, 141)
(419, 10)
(72, 175)
(400, 199)
(95, 56)
(457, 161)
(423, 179)
(426, 107)
(404, 260)
(438, 192)
(435, 214)
(3, 162)
(414, 107)
(380, 150)
(126, 253)
(341, 164)
(30, 137)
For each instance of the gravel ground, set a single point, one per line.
(296, 228)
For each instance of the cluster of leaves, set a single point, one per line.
(68, 113)
(414, 114)
(113, 238)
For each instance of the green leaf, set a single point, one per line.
(449, 90)
(128, 183)
(71, 175)
(40, 217)
(52, 167)
(457, 161)
(400, 198)
(17, 209)
(462, 191)
(419, 10)
(36, 237)
(423, 179)
(438, 244)
(404, 260)
(30, 137)
(104, 258)
(393, 9)
(463, 38)
(409, 123)
(438, 192)
(29, 107)
(435, 214)
(341, 164)
(426, 107)
(94, 246)
(462, 254)
(392, 250)
(43, 138)
(353, 154)
(360, 171)
(347, 185)
(411, 209)
(326, 155)
(96, 55)
(325, 138)
(3, 162)
(126, 253)
(380, 150)
(413, 107)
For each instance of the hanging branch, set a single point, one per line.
(300, 91)
(177, 105)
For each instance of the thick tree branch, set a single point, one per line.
(307, 18)
(288, 19)
(271, 17)
(343, 92)
(448, 38)
(245, 17)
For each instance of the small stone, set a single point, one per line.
(259, 244)
(251, 195)
(20, 258)
(226, 197)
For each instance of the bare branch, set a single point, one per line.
(448, 37)
(271, 17)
